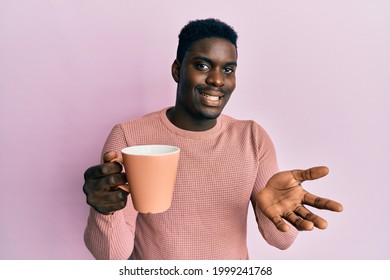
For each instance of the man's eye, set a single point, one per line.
(202, 66)
(228, 70)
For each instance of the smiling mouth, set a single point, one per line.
(210, 97)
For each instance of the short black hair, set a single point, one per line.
(203, 28)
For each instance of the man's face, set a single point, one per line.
(206, 78)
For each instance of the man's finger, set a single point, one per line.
(315, 219)
(280, 224)
(102, 170)
(298, 222)
(311, 173)
(108, 209)
(322, 203)
(109, 156)
(107, 198)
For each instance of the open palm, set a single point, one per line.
(283, 199)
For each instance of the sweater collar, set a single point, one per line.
(188, 133)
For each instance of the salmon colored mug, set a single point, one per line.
(151, 173)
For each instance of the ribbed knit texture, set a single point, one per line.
(220, 172)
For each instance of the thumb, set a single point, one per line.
(112, 156)
(311, 173)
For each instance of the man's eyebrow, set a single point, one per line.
(233, 63)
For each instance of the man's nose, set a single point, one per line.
(215, 78)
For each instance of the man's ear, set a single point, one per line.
(176, 71)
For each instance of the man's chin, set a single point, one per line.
(211, 114)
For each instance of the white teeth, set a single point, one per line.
(213, 98)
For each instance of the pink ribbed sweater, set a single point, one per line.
(220, 172)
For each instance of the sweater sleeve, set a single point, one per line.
(112, 236)
(268, 166)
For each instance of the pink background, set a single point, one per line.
(315, 74)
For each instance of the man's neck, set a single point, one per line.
(183, 121)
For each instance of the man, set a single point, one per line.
(224, 164)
